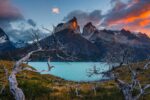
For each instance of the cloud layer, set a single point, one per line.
(31, 22)
(85, 17)
(10, 14)
(133, 15)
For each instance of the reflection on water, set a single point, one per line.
(75, 71)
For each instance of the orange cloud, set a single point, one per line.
(135, 17)
(144, 22)
(138, 29)
(142, 15)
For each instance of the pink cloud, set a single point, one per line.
(8, 11)
(55, 10)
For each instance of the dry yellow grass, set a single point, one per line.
(48, 87)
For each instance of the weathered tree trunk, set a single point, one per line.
(13, 84)
(127, 94)
(77, 92)
(125, 89)
(147, 65)
(94, 90)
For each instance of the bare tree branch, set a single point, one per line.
(124, 57)
(13, 84)
(93, 71)
(147, 65)
(33, 70)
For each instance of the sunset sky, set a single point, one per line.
(133, 15)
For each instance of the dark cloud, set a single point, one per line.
(22, 31)
(117, 5)
(5, 25)
(8, 12)
(25, 35)
(85, 17)
(8, 15)
(31, 22)
(128, 12)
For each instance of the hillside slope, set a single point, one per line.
(48, 87)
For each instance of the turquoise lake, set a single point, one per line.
(73, 71)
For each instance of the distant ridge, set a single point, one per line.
(90, 45)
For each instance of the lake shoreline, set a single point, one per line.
(74, 71)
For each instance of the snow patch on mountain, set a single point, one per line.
(3, 39)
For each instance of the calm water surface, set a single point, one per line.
(74, 71)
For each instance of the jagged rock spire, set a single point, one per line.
(71, 24)
(88, 30)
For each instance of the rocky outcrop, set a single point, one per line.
(71, 24)
(88, 30)
(3, 37)
(106, 40)
(5, 43)
(122, 37)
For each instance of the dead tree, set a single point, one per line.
(74, 89)
(15, 90)
(127, 88)
(94, 88)
(13, 84)
(93, 71)
(147, 66)
(124, 59)
(77, 89)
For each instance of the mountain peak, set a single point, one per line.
(88, 30)
(74, 19)
(71, 24)
(89, 24)
(124, 30)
